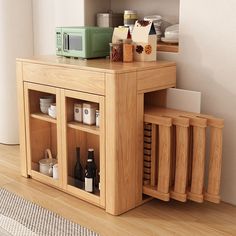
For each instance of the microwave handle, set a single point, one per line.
(66, 42)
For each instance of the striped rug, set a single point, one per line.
(19, 217)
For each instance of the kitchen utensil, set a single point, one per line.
(46, 164)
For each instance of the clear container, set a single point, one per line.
(128, 55)
(116, 52)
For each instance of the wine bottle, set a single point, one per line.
(78, 171)
(90, 172)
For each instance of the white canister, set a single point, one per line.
(97, 118)
(55, 173)
(89, 113)
(78, 112)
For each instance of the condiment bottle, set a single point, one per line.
(78, 171)
(90, 172)
(127, 50)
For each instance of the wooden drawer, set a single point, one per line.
(152, 80)
(81, 80)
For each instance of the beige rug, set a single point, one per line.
(19, 217)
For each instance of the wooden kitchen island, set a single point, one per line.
(119, 89)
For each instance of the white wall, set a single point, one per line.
(169, 9)
(16, 41)
(207, 63)
(47, 15)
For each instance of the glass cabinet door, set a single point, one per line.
(42, 106)
(82, 133)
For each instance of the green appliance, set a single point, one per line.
(83, 42)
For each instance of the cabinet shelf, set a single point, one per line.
(166, 47)
(86, 128)
(44, 178)
(44, 117)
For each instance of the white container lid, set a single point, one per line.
(153, 18)
(130, 12)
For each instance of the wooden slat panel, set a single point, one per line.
(198, 165)
(154, 156)
(164, 159)
(181, 164)
(213, 189)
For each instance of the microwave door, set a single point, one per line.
(75, 42)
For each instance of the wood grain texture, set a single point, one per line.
(153, 218)
(86, 81)
(164, 159)
(215, 163)
(97, 65)
(165, 47)
(121, 128)
(139, 151)
(198, 164)
(21, 110)
(151, 80)
(181, 167)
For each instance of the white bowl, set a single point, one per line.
(44, 108)
(53, 107)
(52, 113)
(172, 35)
(46, 99)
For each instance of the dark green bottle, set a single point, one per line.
(78, 171)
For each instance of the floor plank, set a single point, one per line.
(152, 219)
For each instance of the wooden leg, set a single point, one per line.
(198, 165)
(182, 142)
(213, 189)
(164, 160)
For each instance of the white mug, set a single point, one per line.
(55, 171)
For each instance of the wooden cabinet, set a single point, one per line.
(118, 89)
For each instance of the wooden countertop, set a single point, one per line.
(102, 65)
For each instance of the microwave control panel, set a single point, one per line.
(58, 41)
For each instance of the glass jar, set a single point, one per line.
(116, 51)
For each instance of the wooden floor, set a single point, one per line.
(153, 218)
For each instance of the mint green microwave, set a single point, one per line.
(83, 42)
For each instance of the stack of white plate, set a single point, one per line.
(171, 34)
(157, 21)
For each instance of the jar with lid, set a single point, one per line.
(116, 51)
(127, 50)
(130, 17)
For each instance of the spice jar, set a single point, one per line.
(116, 51)
(127, 50)
(89, 113)
(78, 112)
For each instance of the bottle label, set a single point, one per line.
(89, 185)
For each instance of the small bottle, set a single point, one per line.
(90, 172)
(78, 171)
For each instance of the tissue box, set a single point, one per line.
(145, 41)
